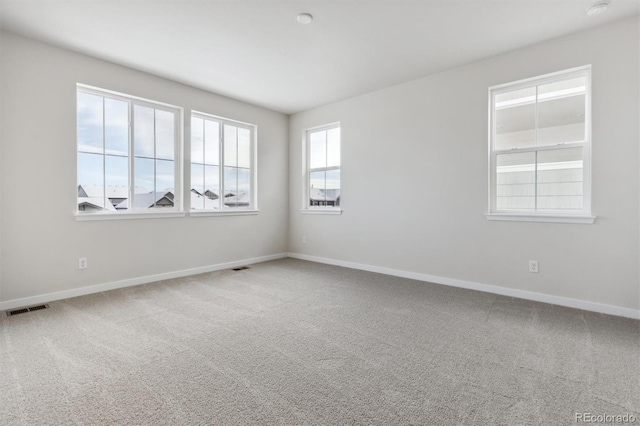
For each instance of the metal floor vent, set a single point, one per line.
(25, 310)
(240, 268)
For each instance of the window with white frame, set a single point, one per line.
(540, 145)
(323, 168)
(128, 154)
(222, 164)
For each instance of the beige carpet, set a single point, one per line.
(293, 342)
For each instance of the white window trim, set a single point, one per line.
(583, 216)
(85, 217)
(513, 217)
(321, 210)
(306, 207)
(253, 207)
(178, 209)
(209, 213)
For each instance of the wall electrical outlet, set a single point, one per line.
(533, 266)
(304, 239)
(82, 263)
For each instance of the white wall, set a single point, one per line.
(415, 169)
(42, 241)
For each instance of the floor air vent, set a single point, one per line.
(25, 310)
(240, 268)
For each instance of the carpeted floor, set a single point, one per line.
(293, 342)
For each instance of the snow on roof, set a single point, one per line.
(320, 194)
(112, 191)
(242, 198)
(145, 201)
(97, 202)
(209, 204)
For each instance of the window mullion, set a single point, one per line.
(541, 148)
(323, 169)
(222, 165)
(308, 161)
(131, 157)
(204, 164)
(155, 172)
(104, 156)
(535, 179)
(237, 166)
(326, 163)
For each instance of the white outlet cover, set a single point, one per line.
(533, 266)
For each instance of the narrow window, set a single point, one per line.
(323, 168)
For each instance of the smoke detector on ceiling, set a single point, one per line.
(597, 8)
(304, 18)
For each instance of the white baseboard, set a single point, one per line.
(503, 291)
(97, 288)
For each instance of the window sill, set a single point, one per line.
(81, 217)
(209, 213)
(549, 218)
(321, 211)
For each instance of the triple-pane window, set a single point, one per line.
(128, 151)
(222, 157)
(540, 145)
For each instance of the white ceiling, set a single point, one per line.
(255, 51)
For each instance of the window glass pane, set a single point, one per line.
(230, 145)
(332, 188)
(143, 135)
(144, 183)
(90, 182)
(197, 201)
(116, 170)
(515, 119)
(212, 142)
(515, 181)
(116, 175)
(244, 188)
(560, 176)
(244, 148)
(197, 140)
(317, 196)
(90, 123)
(230, 186)
(318, 149)
(197, 186)
(333, 147)
(116, 127)
(90, 169)
(561, 111)
(165, 134)
(212, 187)
(164, 175)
